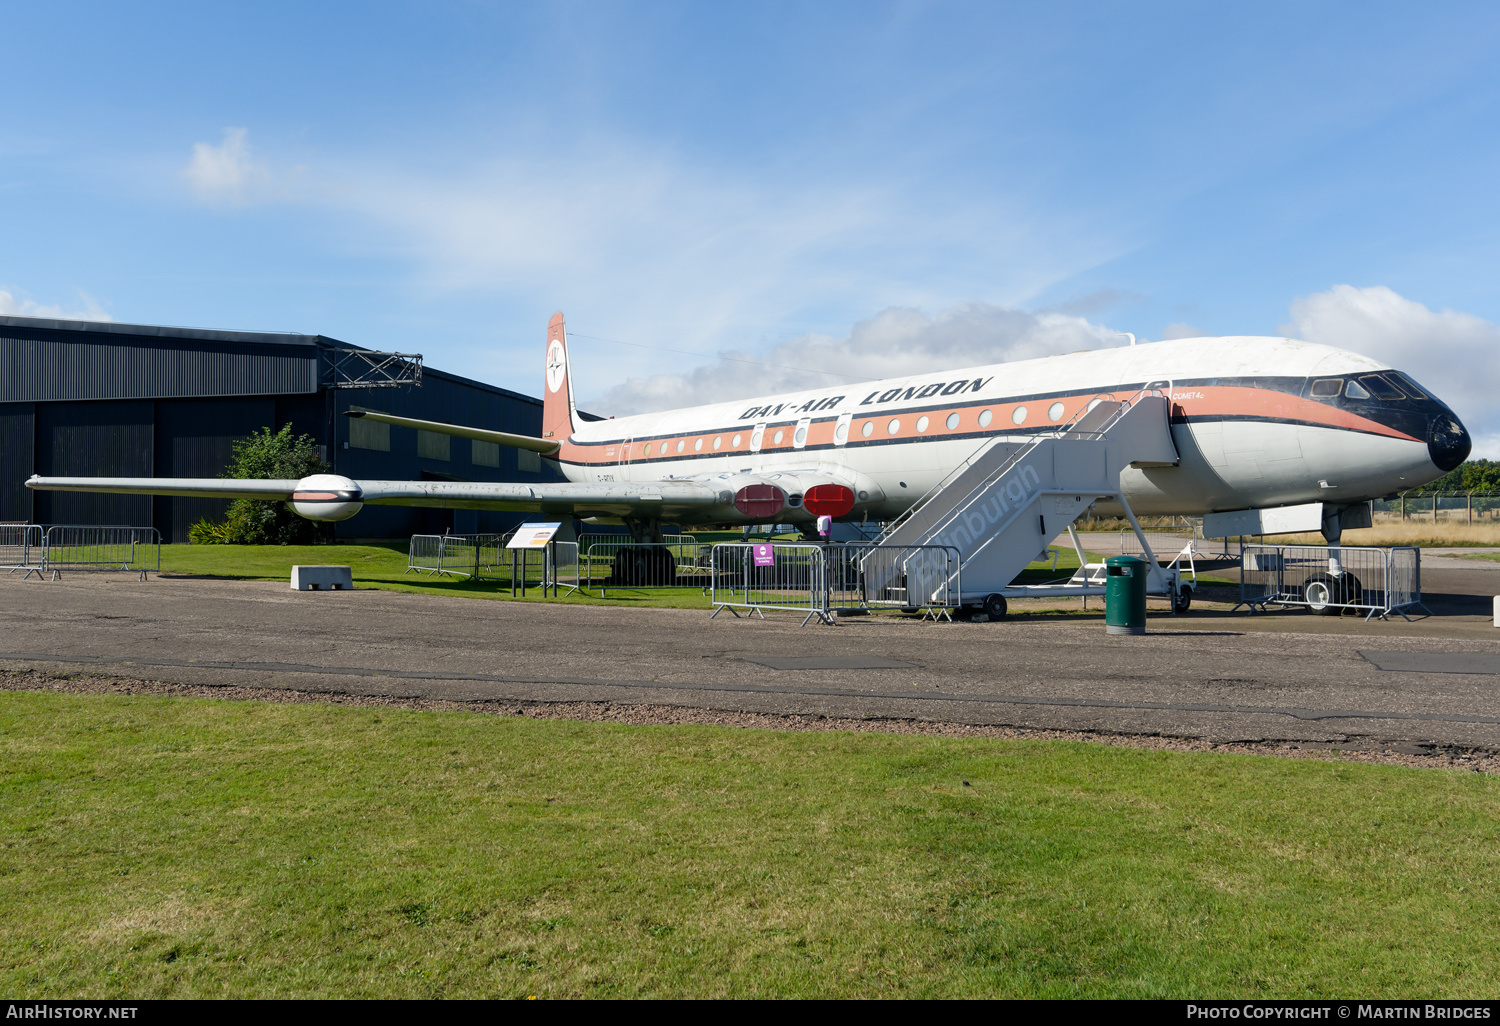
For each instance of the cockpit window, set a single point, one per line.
(1413, 389)
(1327, 388)
(1381, 388)
(1353, 391)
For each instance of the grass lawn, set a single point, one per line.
(383, 565)
(188, 847)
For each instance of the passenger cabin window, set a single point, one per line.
(1380, 388)
(1327, 388)
(1355, 392)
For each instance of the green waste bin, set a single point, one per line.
(1125, 595)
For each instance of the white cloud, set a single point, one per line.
(10, 306)
(895, 342)
(647, 245)
(227, 173)
(1454, 354)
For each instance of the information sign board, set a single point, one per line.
(532, 536)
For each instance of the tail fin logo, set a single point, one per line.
(557, 365)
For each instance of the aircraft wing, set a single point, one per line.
(636, 499)
(193, 487)
(542, 445)
(650, 499)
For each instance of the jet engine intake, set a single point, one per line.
(831, 500)
(759, 501)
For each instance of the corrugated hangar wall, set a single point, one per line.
(83, 399)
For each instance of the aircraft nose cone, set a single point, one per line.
(1448, 442)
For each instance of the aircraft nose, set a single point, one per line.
(1448, 441)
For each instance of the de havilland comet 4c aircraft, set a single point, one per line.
(1257, 423)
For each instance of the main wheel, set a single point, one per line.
(1182, 599)
(623, 574)
(994, 607)
(664, 568)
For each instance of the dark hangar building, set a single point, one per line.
(99, 399)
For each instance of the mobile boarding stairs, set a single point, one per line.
(1004, 505)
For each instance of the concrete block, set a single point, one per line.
(317, 578)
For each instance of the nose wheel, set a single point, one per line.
(1327, 594)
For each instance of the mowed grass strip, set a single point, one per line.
(155, 847)
(384, 566)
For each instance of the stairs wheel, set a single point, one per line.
(994, 607)
(1182, 600)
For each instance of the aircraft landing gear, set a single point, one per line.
(643, 567)
(1327, 595)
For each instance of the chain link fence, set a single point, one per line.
(1438, 507)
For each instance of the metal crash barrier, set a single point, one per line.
(761, 576)
(462, 555)
(861, 576)
(22, 547)
(613, 561)
(117, 549)
(1376, 582)
(484, 557)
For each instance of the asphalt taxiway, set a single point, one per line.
(1211, 674)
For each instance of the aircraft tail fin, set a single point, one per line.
(558, 407)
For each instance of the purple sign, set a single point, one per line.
(764, 554)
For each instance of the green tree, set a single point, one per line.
(1469, 476)
(278, 456)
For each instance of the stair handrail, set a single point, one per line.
(1031, 443)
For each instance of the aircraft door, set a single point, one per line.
(755, 436)
(625, 451)
(841, 429)
(799, 435)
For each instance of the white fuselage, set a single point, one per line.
(1246, 429)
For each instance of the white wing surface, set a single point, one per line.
(636, 499)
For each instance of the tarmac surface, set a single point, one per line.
(1211, 675)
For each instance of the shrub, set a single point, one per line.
(264, 455)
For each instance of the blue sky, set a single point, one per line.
(863, 183)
